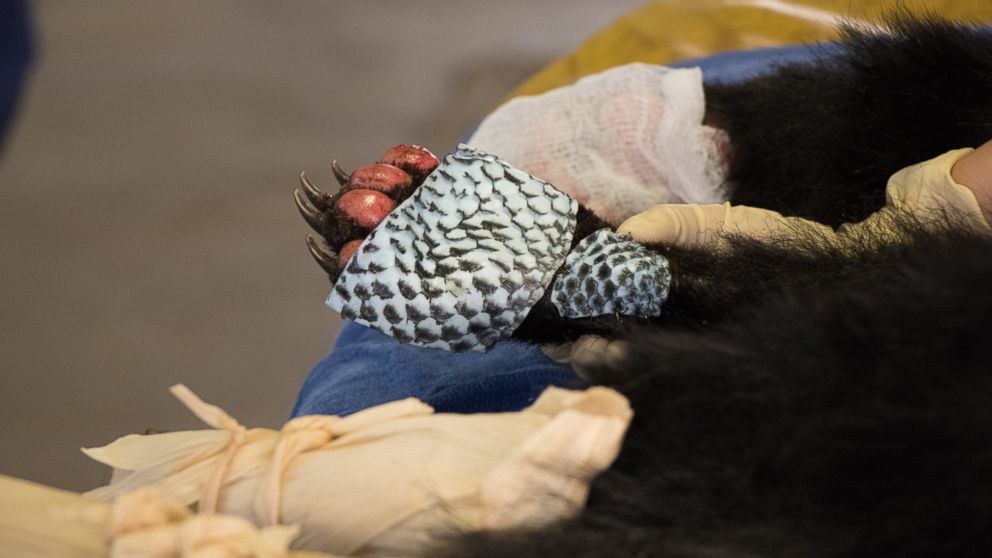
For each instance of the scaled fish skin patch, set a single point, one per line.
(459, 264)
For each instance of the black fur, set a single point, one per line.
(821, 140)
(800, 400)
(846, 417)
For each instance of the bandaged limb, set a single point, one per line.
(479, 251)
(615, 143)
(475, 252)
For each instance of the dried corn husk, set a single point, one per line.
(386, 480)
(38, 521)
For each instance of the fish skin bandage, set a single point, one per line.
(610, 273)
(460, 263)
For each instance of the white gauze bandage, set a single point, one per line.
(619, 142)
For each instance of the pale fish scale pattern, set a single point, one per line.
(459, 264)
(609, 273)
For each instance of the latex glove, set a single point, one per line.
(587, 352)
(928, 191)
(697, 225)
(974, 171)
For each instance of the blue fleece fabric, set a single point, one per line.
(734, 66)
(15, 56)
(367, 368)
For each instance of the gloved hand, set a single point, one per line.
(586, 352)
(974, 171)
(958, 183)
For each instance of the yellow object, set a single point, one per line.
(147, 523)
(38, 521)
(924, 191)
(383, 481)
(664, 31)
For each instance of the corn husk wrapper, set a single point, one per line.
(387, 480)
(38, 521)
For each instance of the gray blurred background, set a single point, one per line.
(148, 232)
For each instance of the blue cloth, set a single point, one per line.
(368, 368)
(738, 65)
(15, 56)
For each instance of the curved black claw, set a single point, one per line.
(339, 173)
(319, 199)
(324, 260)
(312, 216)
